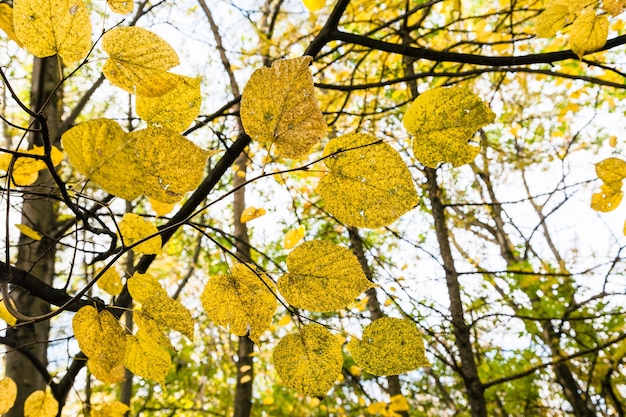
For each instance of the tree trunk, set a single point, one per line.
(37, 257)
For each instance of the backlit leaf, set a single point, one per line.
(314, 5)
(29, 232)
(102, 151)
(175, 109)
(106, 375)
(100, 337)
(111, 409)
(589, 32)
(143, 286)
(135, 228)
(251, 213)
(309, 361)
(278, 106)
(240, 301)
(614, 7)
(139, 60)
(121, 6)
(322, 277)
(6, 22)
(148, 328)
(552, 19)
(146, 358)
(48, 27)
(171, 164)
(160, 208)
(443, 120)
(612, 172)
(26, 170)
(293, 236)
(399, 403)
(8, 393)
(389, 346)
(41, 404)
(5, 315)
(368, 185)
(111, 281)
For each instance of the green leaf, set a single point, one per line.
(241, 301)
(309, 361)
(443, 120)
(389, 346)
(322, 277)
(368, 185)
(278, 106)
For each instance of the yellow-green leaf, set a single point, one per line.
(5, 315)
(146, 358)
(251, 213)
(278, 106)
(175, 109)
(6, 22)
(29, 232)
(241, 301)
(389, 346)
(111, 281)
(309, 361)
(41, 404)
(139, 60)
(368, 185)
(322, 277)
(102, 151)
(111, 409)
(443, 120)
(589, 32)
(121, 6)
(100, 337)
(134, 228)
(171, 164)
(8, 393)
(51, 27)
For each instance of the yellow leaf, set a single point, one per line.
(53, 27)
(108, 376)
(134, 228)
(160, 208)
(390, 346)
(293, 236)
(6, 22)
(147, 359)
(41, 404)
(589, 32)
(29, 232)
(245, 378)
(26, 170)
(369, 185)
(143, 286)
(171, 163)
(150, 329)
(378, 407)
(612, 172)
(102, 151)
(613, 141)
(268, 400)
(278, 106)
(174, 110)
(121, 6)
(314, 5)
(6, 316)
(284, 320)
(112, 409)
(322, 277)
(100, 337)
(241, 301)
(8, 393)
(443, 120)
(552, 19)
(614, 7)
(309, 361)
(168, 313)
(139, 60)
(399, 403)
(111, 282)
(251, 213)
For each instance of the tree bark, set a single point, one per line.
(36, 257)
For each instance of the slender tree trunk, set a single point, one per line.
(37, 257)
